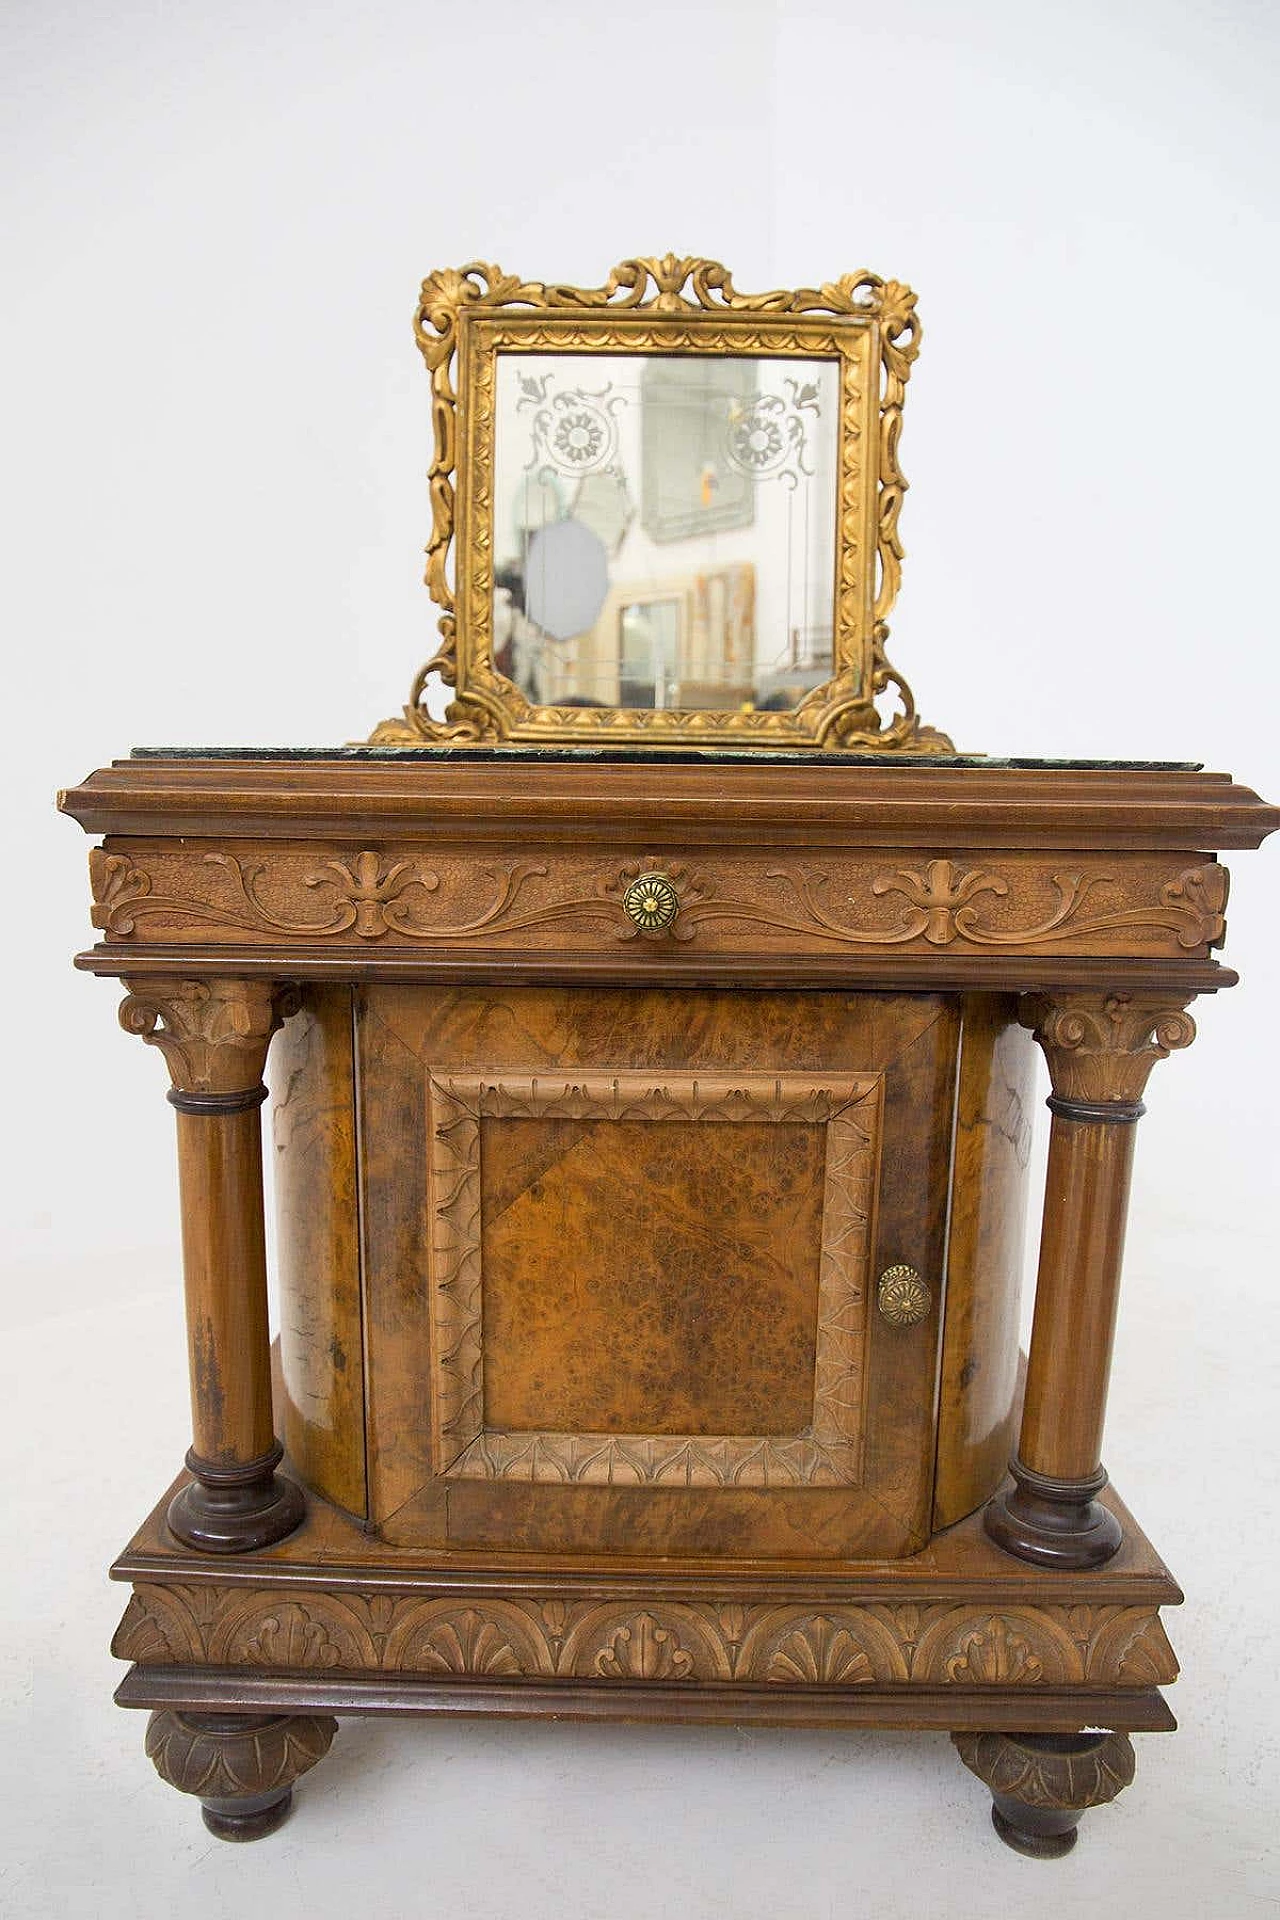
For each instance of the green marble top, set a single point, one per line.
(665, 756)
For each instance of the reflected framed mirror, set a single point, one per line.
(664, 512)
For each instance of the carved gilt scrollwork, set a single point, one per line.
(681, 294)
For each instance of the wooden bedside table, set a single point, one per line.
(650, 1148)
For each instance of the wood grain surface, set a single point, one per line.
(650, 1277)
(985, 1257)
(614, 1299)
(407, 1035)
(513, 799)
(430, 896)
(317, 1246)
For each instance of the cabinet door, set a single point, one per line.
(621, 1252)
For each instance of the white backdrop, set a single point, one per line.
(217, 431)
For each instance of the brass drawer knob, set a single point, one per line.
(652, 902)
(903, 1297)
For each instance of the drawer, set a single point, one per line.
(638, 905)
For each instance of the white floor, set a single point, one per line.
(527, 1822)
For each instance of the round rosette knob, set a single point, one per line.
(652, 902)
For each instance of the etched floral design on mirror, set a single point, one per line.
(664, 512)
(719, 591)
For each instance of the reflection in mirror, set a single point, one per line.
(664, 528)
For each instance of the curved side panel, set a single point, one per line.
(985, 1255)
(318, 1253)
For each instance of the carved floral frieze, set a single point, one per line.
(397, 897)
(658, 1640)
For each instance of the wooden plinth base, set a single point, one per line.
(1016, 1661)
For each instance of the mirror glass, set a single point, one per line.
(664, 528)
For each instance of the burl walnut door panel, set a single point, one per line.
(620, 1256)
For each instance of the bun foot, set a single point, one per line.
(242, 1766)
(1041, 1783)
(247, 1819)
(1039, 1834)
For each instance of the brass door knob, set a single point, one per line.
(903, 1297)
(652, 902)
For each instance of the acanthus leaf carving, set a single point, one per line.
(159, 1630)
(1101, 1047)
(368, 900)
(116, 885)
(268, 1751)
(941, 908)
(213, 1033)
(1089, 1774)
(291, 1637)
(643, 1649)
(731, 1620)
(952, 1644)
(993, 1655)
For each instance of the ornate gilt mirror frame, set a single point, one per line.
(867, 326)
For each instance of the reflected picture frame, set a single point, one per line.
(678, 306)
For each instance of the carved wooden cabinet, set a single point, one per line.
(650, 1148)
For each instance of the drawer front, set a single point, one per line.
(622, 1252)
(427, 898)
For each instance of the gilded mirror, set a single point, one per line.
(665, 513)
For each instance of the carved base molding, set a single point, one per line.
(670, 1642)
(240, 1663)
(241, 1674)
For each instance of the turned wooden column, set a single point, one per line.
(1100, 1049)
(214, 1035)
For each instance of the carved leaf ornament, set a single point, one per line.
(948, 1644)
(372, 895)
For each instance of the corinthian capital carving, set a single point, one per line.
(1102, 1047)
(214, 1034)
